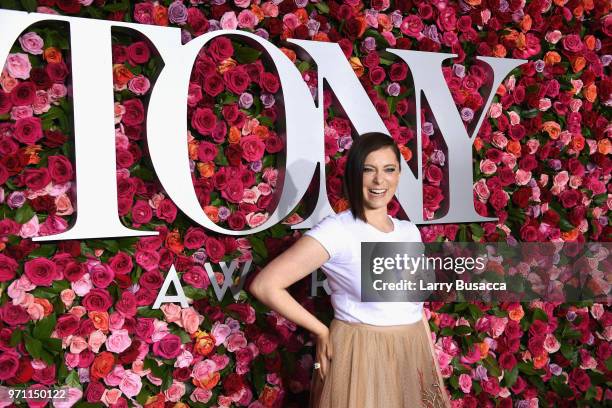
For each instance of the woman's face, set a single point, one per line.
(381, 173)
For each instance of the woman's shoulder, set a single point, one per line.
(410, 228)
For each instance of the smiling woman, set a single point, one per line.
(374, 354)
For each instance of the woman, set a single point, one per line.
(375, 354)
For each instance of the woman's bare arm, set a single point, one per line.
(270, 285)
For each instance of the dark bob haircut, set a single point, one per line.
(353, 172)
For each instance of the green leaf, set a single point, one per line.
(258, 246)
(73, 379)
(148, 312)
(322, 7)
(526, 368)
(142, 173)
(246, 55)
(33, 346)
(167, 379)
(85, 404)
(557, 384)
(194, 293)
(156, 370)
(53, 345)
(44, 328)
(259, 374)
(16, 338)
(24, 214)
(44, 251)
(120, 5)
(462, 330)
(539, 314)
(510, 377)
(29, 5)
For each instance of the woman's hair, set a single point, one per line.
(353, 172)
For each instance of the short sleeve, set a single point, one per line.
(329, 234)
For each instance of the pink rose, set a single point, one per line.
(191, 320)
(172, 312)
(18, 66)
(119, 341)
(130, 384)
(236, 341)
(175, 392)
(256, 219)
(220, 332)
(252, 148)
(412, 26)
(229, 21)
(32, 43)
(465, 382)
(139, 85)
(247, 19)
(168, 347)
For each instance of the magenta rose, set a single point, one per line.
(204, 121)
(5, 103)
(151, 280)
(97, 300)
(40, 271)
(28, 130)
(234, 191)
(252, 148)
(8, 267)
(507, 361)
(215, 249)
(57, 71)
(166, 210)
(269, 82)
(101, 276)
(141, 212)
(168, 347)
(23, 94)
(66, 325)
(570, 198)
(9, 363)
(237, 80)
(94, 392)
(144, 328)
(213, 84)
(207, 151)
(121, 263)
(36, 179)
(14, 314)
(60, 169)
(194, 238)
(134, 112)
(220, 48)
(138, 53)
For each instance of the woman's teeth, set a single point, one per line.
(377, 191)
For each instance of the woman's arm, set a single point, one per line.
(270, 285)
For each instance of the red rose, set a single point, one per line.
(580, 379)
(151, 280)
(134, 112)
(14, 315)
(432, 196)
(398, 72)
(138, 53)
(215, 249)
(166, 210)
(145, 327)
(236, 221)
(5, 103)
(203, 120)
(220, 48)
(57, 71)
(24, 371)
(40, 271)
(269, 82)
(274, 144)
(521, 197)
(28, 130)
(94, 392)
(54, 138)
(141, 212)
(8, 267)
(233, 383)
(66, 325)
(433, 174)
(23, 94)
(168, 347)
(498, 199)
(213, 84)
(9, 363)
(145, 297)
(194, 238)
(60, 169)
(236, 80)
(207, 151)
(101, 276)
(196, 20)
(234, 191)
(507, 361)
(573, 43)
(377, 75)
(97, 300)
(491, 386)
(121, 263)
(36, 179)
(570, 198)
(252, 148)
(127, 305)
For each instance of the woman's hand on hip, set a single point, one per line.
(324, 353)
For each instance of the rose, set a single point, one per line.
(144, 328)
(213, 84)
(236, 220)
(139, 85)
(215, 249)
(28, 130)
(31, 43)
(67, 325)
(97, 300)
(207, 151)
(269, 82)
(40, 271)
(37, 179)
(101, 275)
(94, 392)
(5, 103)
(18, 66)
(13, 314)
(119, 341)
(151, 280)
(141, 212)
(220, 49)
(60, 169)
(204, 121)
(194, 238)
(102, 365)
(57, 71)
(168, 347)
(23, 94)
(138, 53)
(9, 363)
(121, 263)
(465, 382)
(166, 210)
(237, 80)
(177, 13)
(8, 267)
(252, 148)
(134, 112)
(234, 191)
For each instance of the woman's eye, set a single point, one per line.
(390, 170)
(367, 170)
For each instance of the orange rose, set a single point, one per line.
(204, 343)
(31, 152)
(516, 314)
(261, 132)
(501, 90)
(578, 64)
(514, 147)
(552, 58)
(499, 51)
(604, 146)
(100, 320)
(268, 396)
(121, 75)
(160, 15)
(357, 66)
(156, 401)
(207, 382)
(102, 365)
(226, 65)
(570, 235)
(406, 152)
(590, 92)
(340, 205)
(258, 12)
(289, 53)
(207, 169)
(174, 243)
(192, 148)
(302, 15)
(46, 305)
(320, 37)
(552, 128)
(478, 143)
(483, 347)
(540, 361)
(212, 212)
(590, 42)
(234, 135)
(495, 267)
(385, 22)
(578, 143)
(52, 54)
(526, 23)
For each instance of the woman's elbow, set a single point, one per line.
(258, 287)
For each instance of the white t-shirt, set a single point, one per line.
(341, 235)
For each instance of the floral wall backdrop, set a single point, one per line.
(79, 313)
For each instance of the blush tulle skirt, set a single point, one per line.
(380, 366)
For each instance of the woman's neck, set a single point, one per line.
(378, 218)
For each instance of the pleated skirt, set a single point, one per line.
(380, 367)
